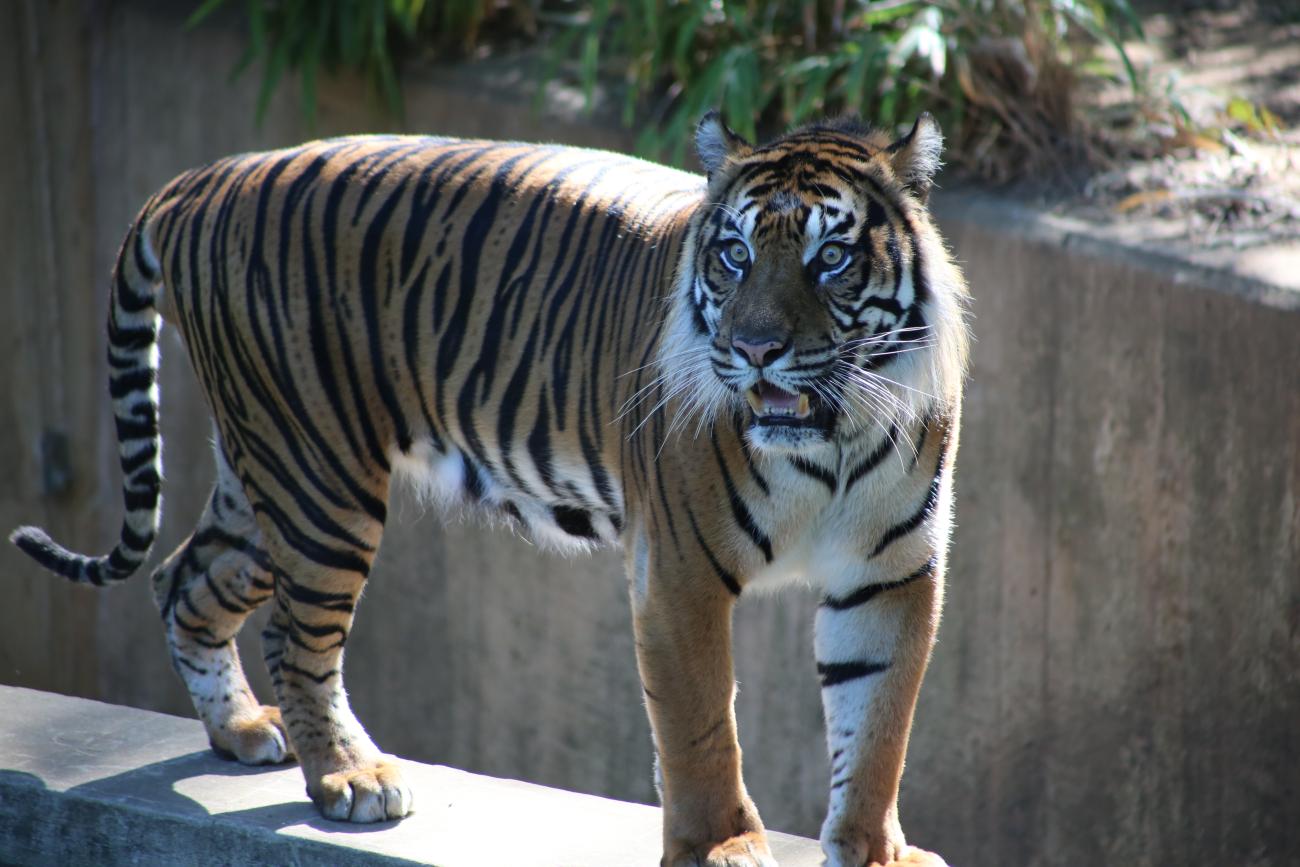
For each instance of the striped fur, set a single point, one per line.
(576, 343)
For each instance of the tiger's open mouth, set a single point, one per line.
(773, 405)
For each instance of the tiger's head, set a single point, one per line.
(813, 294)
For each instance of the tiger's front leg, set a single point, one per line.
(682, 620)
(872, 648)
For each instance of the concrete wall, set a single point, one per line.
(1116, 677)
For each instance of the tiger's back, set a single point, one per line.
(457, 310)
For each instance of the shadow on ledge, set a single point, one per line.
(90, 783)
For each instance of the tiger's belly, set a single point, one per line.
(569, 519)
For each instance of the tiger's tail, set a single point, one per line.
(133, 323)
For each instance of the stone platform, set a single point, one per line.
(82, 782)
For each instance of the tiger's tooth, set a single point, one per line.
(801, 409)
(754, 401)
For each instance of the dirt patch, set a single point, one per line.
(1209, 159)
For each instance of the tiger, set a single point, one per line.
(747, 379)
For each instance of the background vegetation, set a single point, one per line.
(1005, 77)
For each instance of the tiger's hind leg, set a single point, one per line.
(205, 591)
(318, 580)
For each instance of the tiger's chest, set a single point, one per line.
(842, 518)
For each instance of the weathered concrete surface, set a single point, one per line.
(88, 783)
(1115, 680)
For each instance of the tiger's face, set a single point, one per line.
(806, 284)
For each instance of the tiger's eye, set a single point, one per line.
(738, 253)
(832, 255)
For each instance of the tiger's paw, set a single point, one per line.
(258, 738)
(914, 857)
(884, 848)
(743, 850)
(373, 793)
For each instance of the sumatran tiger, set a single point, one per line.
(747, 379)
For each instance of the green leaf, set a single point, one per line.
(873, 16)
(350, 40)
(923, 39)
(814, 92)
(271, 77)
(685, 38)
(198, 16)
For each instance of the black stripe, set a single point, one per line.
(368, 274)
(739, 511)
(920, 444)
(920, 281)
(300, 625)
(127, 338)
(140, 379)
(191, 666)
(344, 602)
(539, 441)
(865, 594)
(661, 487)
(136, 541)
(332, 558)
(927, 506)
(727, 578)
(474, 243)
(139, 459)
(814, 471)
(146, 268)
(753, 468)
(312, 510)
(324, 298)
(710, 733)
(128, 299)
(474, 486)
(425, 196)
(217, 595)
(123, 362)
(289, 667)
(412, 336)
(872, 460)
(834, 673)
(121, 564)
(138, 501)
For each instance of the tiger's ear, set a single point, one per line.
(915, 156)
(716, 144)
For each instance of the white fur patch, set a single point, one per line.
(434, 477)
(440, 479)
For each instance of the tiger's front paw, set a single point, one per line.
(372, 793)
(743, 850)
(914, 857)
(857, 847)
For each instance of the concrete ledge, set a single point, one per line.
(83, 782)
(1268, 275)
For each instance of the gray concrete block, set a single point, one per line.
(83, 782)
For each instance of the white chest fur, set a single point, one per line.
(829, 535)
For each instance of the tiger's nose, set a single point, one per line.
(760, 352)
